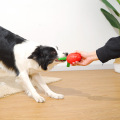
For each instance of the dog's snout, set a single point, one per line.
(66, 54)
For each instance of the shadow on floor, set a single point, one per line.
(73, 92)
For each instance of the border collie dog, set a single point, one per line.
(27, 59)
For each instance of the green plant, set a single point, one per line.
(112, 20)
(118, 1)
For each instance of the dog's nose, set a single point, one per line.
(66, 54)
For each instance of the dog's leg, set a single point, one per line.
(42, 83)
(27, 85)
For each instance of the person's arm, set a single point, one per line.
(111, 50)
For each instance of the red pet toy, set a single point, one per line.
(72, 57)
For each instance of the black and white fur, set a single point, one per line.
(27, 59)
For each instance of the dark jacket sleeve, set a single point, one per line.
(110, 50)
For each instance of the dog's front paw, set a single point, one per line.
(55, 95)
(38, 98)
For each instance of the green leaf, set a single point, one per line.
(110, 6)
(118, 1)
(112, 20)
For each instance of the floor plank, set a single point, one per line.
(89, 95)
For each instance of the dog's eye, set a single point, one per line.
(53, 53)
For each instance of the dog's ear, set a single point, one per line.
(37, 53)
(33, 56)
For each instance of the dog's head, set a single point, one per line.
(45, 56)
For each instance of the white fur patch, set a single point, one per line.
(2, 66)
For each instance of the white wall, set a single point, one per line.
(69, 24)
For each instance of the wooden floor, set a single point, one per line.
(89, 95)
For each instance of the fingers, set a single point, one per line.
(74, 64)
(85, 60)
(81, 63)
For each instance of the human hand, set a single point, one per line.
(86, 59)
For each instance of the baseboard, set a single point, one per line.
(90, 67)
(94, 66)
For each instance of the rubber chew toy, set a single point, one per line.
(72, 57)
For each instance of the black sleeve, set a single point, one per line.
(110, 50)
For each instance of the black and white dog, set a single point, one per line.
(27, 59)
